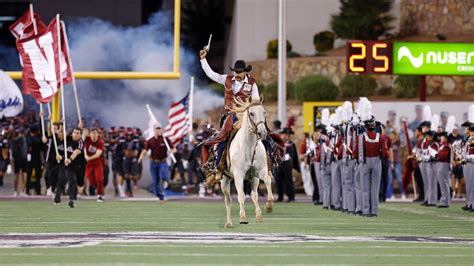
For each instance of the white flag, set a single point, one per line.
(11, 100)
(150, 132)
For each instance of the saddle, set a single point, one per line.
(273, 155)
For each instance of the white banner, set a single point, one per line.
(11, 100)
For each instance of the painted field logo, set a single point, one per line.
(433, 58)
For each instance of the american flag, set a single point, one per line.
(179, 120)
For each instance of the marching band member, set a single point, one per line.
(373, 147)
(325, 158)
(317, 139)
(431, 150)
(443, 162)
(348, 159)
(358, 125)
(336, 146)
(468, 160)
(422, 151)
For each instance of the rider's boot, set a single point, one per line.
(213, 178)
(218, 175)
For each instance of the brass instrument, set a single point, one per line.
(458, 151)
(465, 150)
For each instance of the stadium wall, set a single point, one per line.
(430, 17)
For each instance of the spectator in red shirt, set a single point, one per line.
(95, 163)
(158, 165)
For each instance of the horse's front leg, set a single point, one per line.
(225, 187)
(268, 184)
(254, 194)
(239, 186)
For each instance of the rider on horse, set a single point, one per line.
(237, 85)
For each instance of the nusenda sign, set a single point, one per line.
(415, 58)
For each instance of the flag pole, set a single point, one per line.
(33, 19)
(152, 116)
(74, 87)
(52, 129)
(191, 105)
(35, 28)
(63, 109)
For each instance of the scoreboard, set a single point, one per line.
(369, 57)
(410, 58)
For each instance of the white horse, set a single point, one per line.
(247, 158)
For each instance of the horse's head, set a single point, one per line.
(257, 118)
(255, 115)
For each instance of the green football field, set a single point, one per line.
(187, 232)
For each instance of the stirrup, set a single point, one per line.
(208, 167)
(213, 178)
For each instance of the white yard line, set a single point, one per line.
(285, 246)
(215, 254)
(428, 212)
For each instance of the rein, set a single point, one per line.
(254, 128)
(252, 123)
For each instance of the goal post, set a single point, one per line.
(175, 74)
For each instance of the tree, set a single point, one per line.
(362, 19)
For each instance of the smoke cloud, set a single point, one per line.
(97, 45)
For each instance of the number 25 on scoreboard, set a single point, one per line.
(367, 57)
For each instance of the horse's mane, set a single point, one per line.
(239, 107)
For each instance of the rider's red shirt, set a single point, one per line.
(243, 93)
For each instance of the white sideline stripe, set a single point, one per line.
(321, 234)
(167, 254)
(427, 212)
(28, 225)
(21, 223)
(133, 263)
(193, 218)
(286, 246)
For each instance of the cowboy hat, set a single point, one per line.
(240, 66)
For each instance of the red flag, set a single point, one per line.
(23, 27)
(41, 61)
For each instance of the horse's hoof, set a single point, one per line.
(269, 208)
(259, 218)
(244, 220)
(228, 225)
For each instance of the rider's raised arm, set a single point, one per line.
(211, 74)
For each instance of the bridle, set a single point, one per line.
(252, 123)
